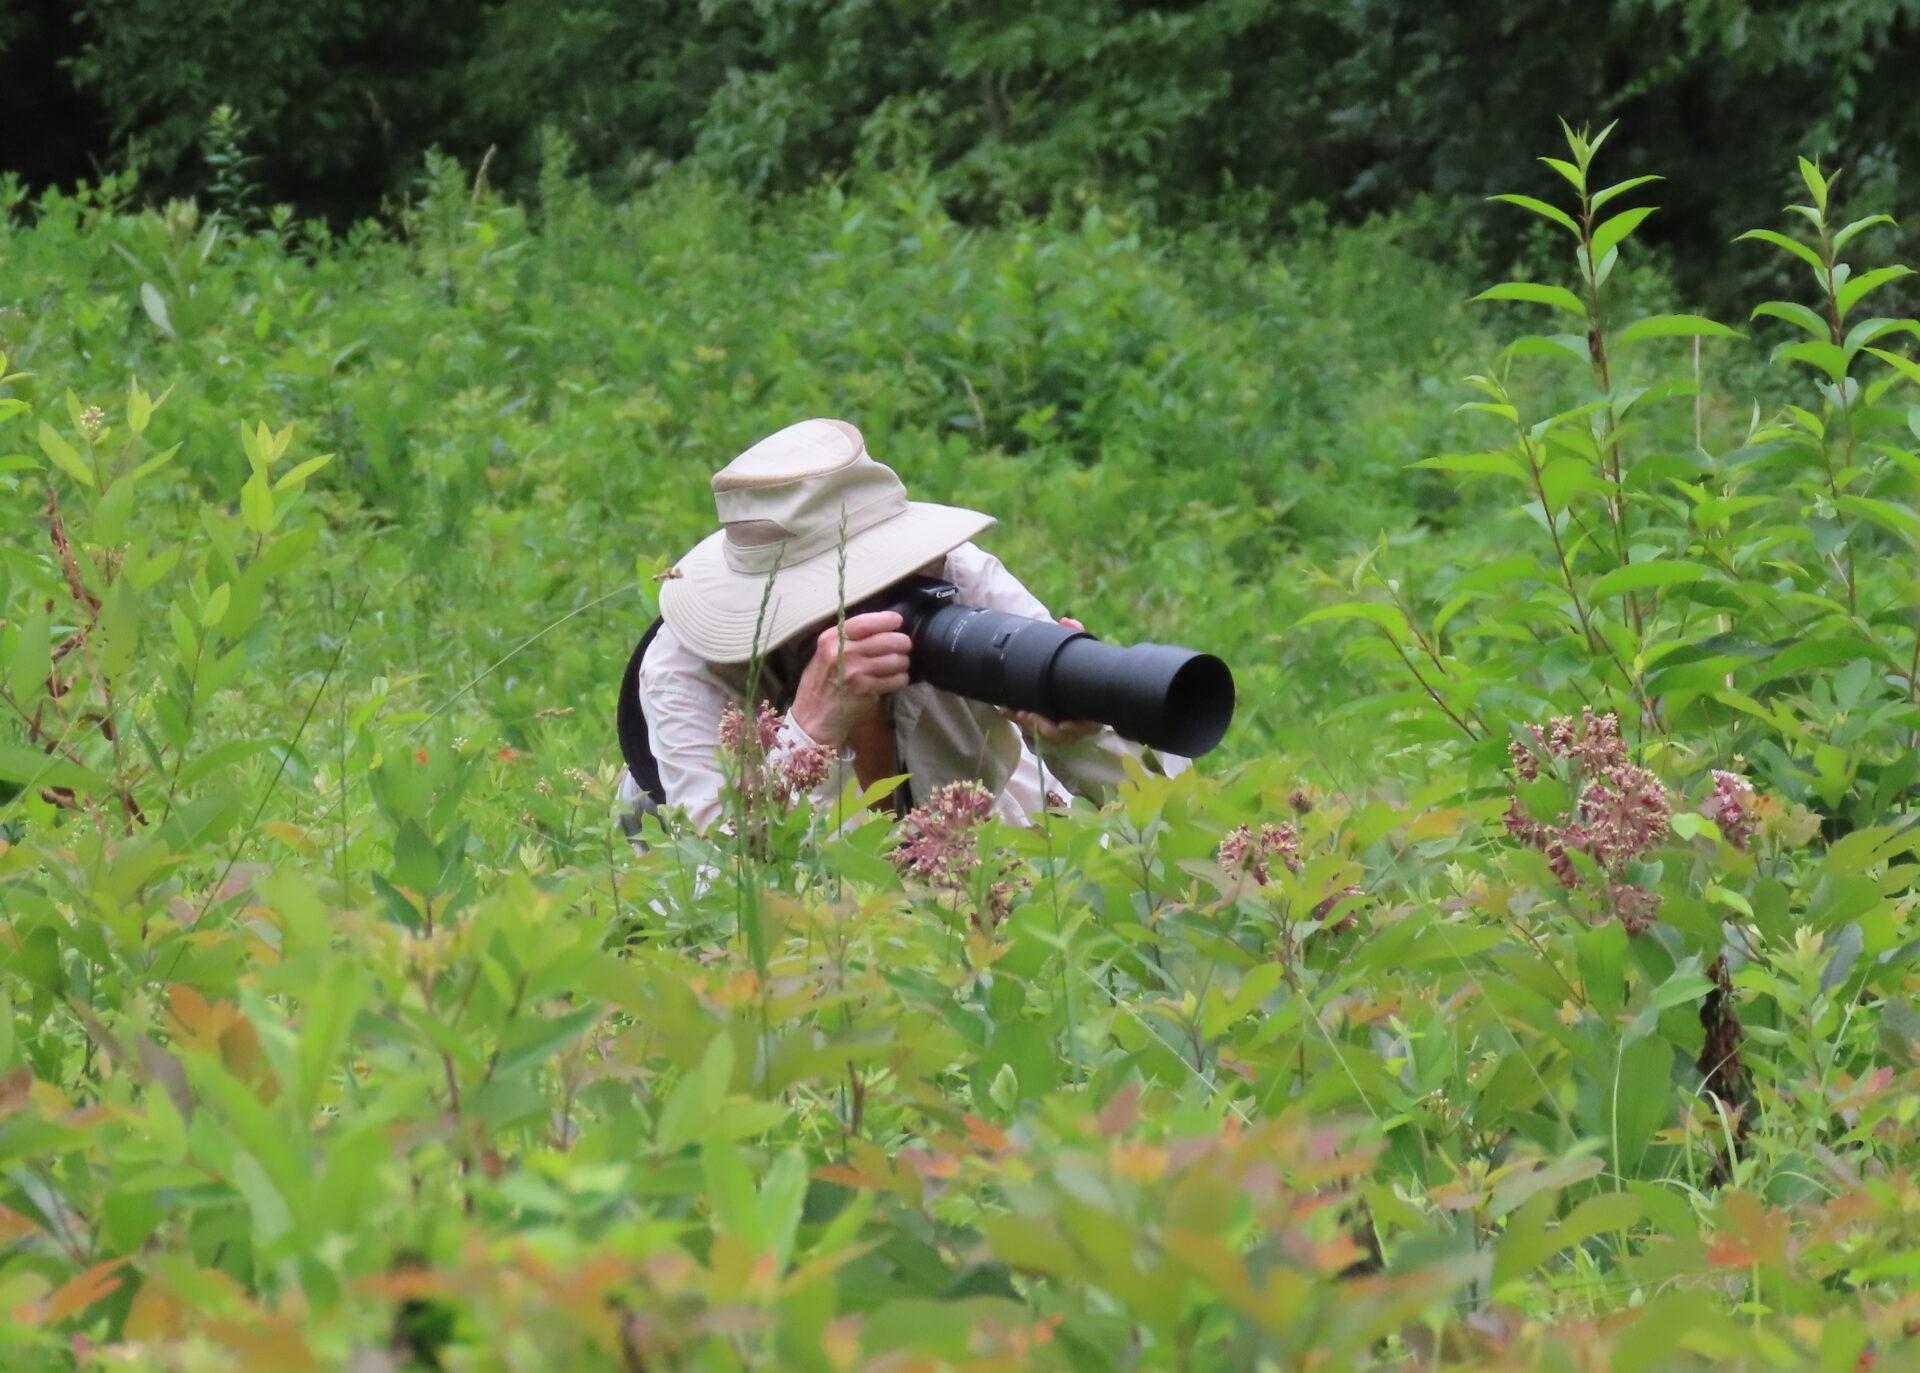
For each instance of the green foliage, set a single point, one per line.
(340, 1026)
(1241, 110)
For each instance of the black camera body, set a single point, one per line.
(1173, 699)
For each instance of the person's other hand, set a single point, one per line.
(841, 682)
(1054, 733)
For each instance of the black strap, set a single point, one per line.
(632, 724)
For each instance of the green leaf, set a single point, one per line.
(1859, 287)
(1872, 330)
(1600, 198)
(1559, 347)
(1004, 1090)
(532, 1040)
(1386, 617)
(1674, 326)
(298, 474)
(1546, 799)
(31, 767)
(1847, 946)
(210, 760)
(256, 502)
(1845, 236)
(1682, 987)
(154, 463)
(1905, 366)
(1640, 576)
(1888, 515)
(1497, 410)
(1535, 293)
(729, 1192)
(1795, 313)
(139, 408)
(1788, 245)
(1816, 183)
(215, 609)
(1565, 477)
(783, 1196)
(155, 305)
(1822, 357)
(1575, 177)
(1475, 464)
(64, 455)
(1638, 1100)
(1543, 209)
(1527, 1241)
(1617, 230)
(325, 1025)
(32, 661)
(685, 1117)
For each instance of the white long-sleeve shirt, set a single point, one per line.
(939, 737)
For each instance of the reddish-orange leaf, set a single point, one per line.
(82, 1290)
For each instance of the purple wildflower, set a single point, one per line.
(937, 847)
(1731, 807)
(1244, 853)
(1619, 814)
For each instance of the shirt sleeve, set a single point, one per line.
(683, 710)
(1091, 767)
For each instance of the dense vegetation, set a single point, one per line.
(1529, 984)
(1199, 111)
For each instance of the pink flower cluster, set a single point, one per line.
(1620, 811)
(1244, 853)
(1731, 807)
(736, 738)
(764, 779)
(937, 847)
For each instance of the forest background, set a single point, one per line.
(1530, 980)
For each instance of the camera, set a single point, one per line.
(1173, 699)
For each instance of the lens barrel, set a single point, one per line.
(1168, 698)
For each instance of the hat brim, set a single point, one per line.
(727, 617)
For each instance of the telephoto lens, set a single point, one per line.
(1173, 699)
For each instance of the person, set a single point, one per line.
(810, 523)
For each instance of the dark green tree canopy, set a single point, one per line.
(1234, 109)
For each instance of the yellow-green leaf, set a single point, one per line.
(215, 609)
(1905, 366)
(1794, 313)
(1788, 245)
(256, 502)
(1388, 619)
(30, 767)
(1616, 230)
(1619, 188)
(1674, 326)
(155, 305)
(298, 475)
(64, 455)
(1859, 287)
(1535, 293)
(1641, 576)
(32, 659)
(1544, 210)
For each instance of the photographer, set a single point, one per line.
(807, 517)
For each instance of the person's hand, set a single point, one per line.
(1053, 733)
(840, 684)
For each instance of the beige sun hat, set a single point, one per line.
(785, 505)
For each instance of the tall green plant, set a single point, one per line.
(1737, 594)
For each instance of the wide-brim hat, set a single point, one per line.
(809, 522)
